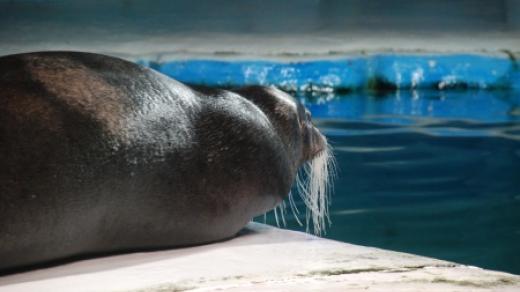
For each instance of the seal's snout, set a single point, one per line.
(318, 143)
(311, 157)
(315, 143)
(319, 171)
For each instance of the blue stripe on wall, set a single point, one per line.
(351, 73)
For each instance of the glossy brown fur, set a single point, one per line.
(101, 155)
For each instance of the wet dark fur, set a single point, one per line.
(98, 154)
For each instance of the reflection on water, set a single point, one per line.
(431, 173)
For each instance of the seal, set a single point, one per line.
(100, 155)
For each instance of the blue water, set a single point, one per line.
(426, 172)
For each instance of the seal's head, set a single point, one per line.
(312, 162)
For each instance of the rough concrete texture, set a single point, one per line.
(189, 46)
(264, 258)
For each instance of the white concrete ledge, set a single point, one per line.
(266, 47)
(264, 258)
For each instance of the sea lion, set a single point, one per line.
(101, 155)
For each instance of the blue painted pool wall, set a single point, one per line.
(401, 71)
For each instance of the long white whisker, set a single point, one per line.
(275, 210)
(282, 212)
(294, 209)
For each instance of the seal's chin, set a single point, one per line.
(313, 184)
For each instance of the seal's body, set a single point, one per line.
(99, 155)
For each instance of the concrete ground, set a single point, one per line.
(266, 46)
(263, 258)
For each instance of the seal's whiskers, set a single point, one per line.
(294, 208)
(315, 190)
(283, 210)
(275, 210)
(282, 207)
(314, 186)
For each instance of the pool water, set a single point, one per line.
(426, 172)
